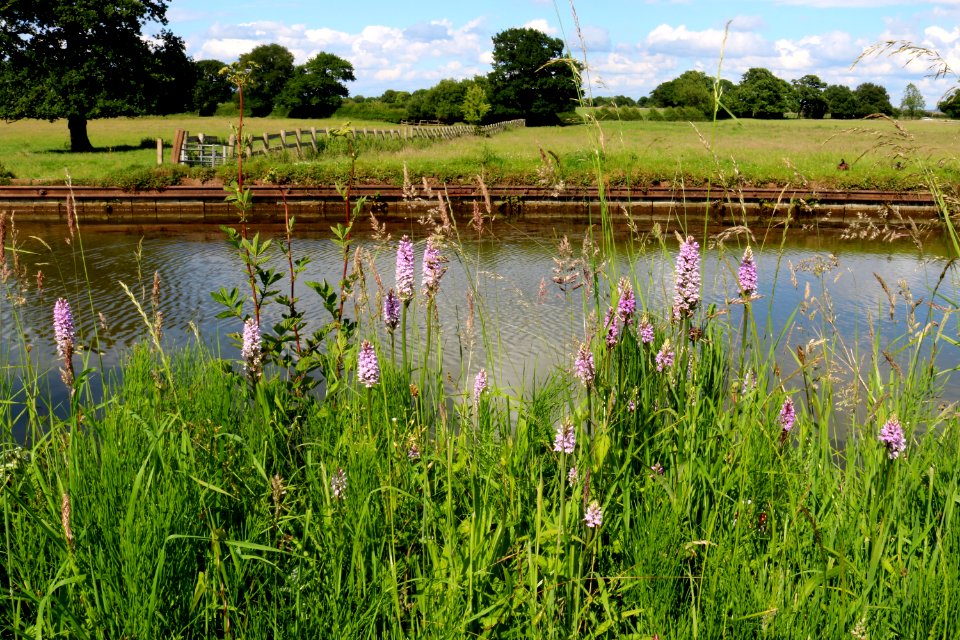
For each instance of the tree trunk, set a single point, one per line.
(79, 142)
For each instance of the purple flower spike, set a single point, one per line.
(479, 385)
(391, 311)
(584, 365)
(628, 302)
(572, 476)
(63, 331)
(645, 329)
(368, 369)
(433, 269)
(891, 436)
(405, 269)
(686, 295)
(251, 351)
(612, 323)
(665, 357)
(747, 274)
(565, 440)
(594, 515)
(338, 484)
(788, 416)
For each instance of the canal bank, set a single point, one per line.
(663, 205)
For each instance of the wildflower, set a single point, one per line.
(433, 269)
(565, 440)
(572, 476)
(787, 416)
(368, 369)
(747, 274)
(891, 436)
(657, 469)
(405, 269)
(594, 515)
(628, 303)
(338, 484)
(251, 351)
(413, 453)
(687, 280)
(479, 385)
(391, 311)
(611, 322)
(645, 329)
(665, 357)
(63, 327)
(584, 365)
(632, 406)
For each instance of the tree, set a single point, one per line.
(316, 88)
(761, 94)
(871, 99)
(689, 89)
(475, 105)
(841, 103)
(75, 59)
(809, 94)
(527, 80)
(174, 77)
(273, 65)
(950, 105)
(912, 103)
(211, 87)
(445, 100)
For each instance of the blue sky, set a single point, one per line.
(632, 45)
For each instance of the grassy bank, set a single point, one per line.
(751, 152)
(666, 480)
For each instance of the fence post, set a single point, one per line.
(178, 138)
(232, 143)
(266, 143)
(313, 138)
(159, 151)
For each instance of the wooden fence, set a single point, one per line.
(210, 151)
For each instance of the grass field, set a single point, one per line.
(748, 152)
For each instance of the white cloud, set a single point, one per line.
(681, 41)
(541, 25)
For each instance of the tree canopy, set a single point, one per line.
(761, 94)
(316, 88)
(871, 99)
(809, 95)
(689, 89)
(76, 59)
(950, 104)
(841, 103)
(273, 64)
(527, 81)
(211, 87)
(912, 103)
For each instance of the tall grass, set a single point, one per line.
(199, 499)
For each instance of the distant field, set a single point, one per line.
(752, 151)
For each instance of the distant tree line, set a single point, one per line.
(761, 94)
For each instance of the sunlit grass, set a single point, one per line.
(748, 152)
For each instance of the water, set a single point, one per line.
(831, 289)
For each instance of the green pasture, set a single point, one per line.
(881, 154)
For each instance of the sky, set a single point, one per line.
(631, 45)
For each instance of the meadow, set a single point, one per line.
(881, 154)
(669, 479)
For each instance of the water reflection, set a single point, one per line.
(521, 328)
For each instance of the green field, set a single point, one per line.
(748, 152)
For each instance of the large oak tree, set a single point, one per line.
(76, 59)
(527, 81)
